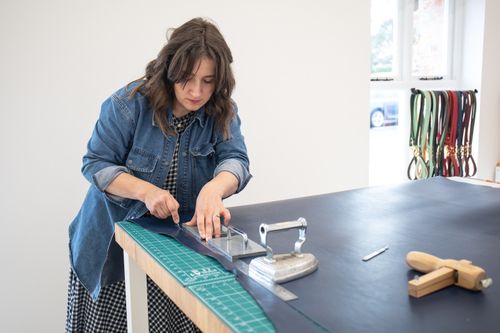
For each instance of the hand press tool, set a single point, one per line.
(442, 273)
(279, 268)
(272, 269)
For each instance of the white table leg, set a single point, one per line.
(137, 296)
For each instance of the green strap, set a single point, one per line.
(423, 172)
(431, 146)
(419, 119)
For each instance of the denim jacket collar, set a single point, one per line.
(201, 116)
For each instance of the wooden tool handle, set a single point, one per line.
(423, 262)
(467, 275)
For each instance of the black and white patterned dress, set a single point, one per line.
(109, 313)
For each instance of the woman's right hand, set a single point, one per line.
(161, 203)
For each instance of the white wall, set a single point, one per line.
(489, 121)
(302, 71)
(481, 70)
(472, 47)
(302, 88)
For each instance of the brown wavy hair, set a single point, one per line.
(187, 44)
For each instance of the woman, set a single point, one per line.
(169, 145)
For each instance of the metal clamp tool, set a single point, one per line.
(232, 243)
(280, 268)
(239, 232)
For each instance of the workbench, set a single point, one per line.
(445, 218)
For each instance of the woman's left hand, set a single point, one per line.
(210, 210)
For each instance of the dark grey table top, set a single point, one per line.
(445, 218)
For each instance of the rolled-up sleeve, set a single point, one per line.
(237, 168)
(232, 154)
(104, 177)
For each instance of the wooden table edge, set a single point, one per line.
(199, 313)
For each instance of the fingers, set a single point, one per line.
(216, 224)
(162, 204)
(192, 222)
(200, 220)
(209, 225)
(159, 212)
(227, 216)
(173, 209)
(168, 206)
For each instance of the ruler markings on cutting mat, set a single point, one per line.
(186, 265)
(217, 288)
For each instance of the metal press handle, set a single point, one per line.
(300, 223)
(237, 231)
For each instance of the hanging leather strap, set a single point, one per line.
(419, 123)
(469, 167)
(451, 167)
(443, 119)
(431, 139)
(460, 119)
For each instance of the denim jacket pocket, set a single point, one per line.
(204, 163)
(142, 163)
(204, 150)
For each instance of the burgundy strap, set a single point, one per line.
(451, 167)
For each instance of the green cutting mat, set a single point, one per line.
(205, 278)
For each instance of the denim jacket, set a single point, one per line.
(126, 139)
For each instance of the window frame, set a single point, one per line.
(401, 86)
(403, 78)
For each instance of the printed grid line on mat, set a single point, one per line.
(205, 278)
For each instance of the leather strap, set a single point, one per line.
(469, 168)
(443, 116)
(431, 140)
(417, 169)
(460, 119)
(451, 167)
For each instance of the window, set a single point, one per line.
(414, 45)
(417, 30)
(383, 35)
(430, 43)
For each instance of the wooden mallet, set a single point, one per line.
(442, 273)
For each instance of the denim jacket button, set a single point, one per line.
(129, 162)
(184, 154)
